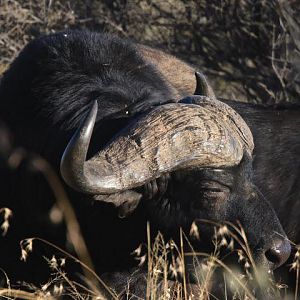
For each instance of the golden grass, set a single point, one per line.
(21, 21)
(164, 277)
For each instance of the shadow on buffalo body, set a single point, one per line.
(126, 146)
(211, 189)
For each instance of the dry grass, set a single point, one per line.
(167, 261)
(162, 265)
(250, 51)
(165, 268)
(21, 21)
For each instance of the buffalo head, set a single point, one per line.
(182, 162)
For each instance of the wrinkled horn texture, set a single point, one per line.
(170, 137)
(237, 122)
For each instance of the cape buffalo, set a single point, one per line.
(276, 133)
(130, 148)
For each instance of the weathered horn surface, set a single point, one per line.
(172, 136)
(225, 111)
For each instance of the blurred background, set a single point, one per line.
(250, 50)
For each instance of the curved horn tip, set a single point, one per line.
(202, 86)
(200, 77)
(89, 121)
(74, 156)
(95, 105)
(94, 109)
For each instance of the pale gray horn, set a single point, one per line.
(72, 165)
(170, 137)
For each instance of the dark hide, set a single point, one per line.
(276, 132)
(43, 97)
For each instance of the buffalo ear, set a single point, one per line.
(203, 88)
(126, 202)
(129, 206)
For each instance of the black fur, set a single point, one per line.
(276, 166)
(43, 97)
(58, 76)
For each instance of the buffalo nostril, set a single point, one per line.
(279, 252)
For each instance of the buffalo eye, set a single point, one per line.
(215, 189)
(211, 193)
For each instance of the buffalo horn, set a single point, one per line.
(169, 137)
(203, 88)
